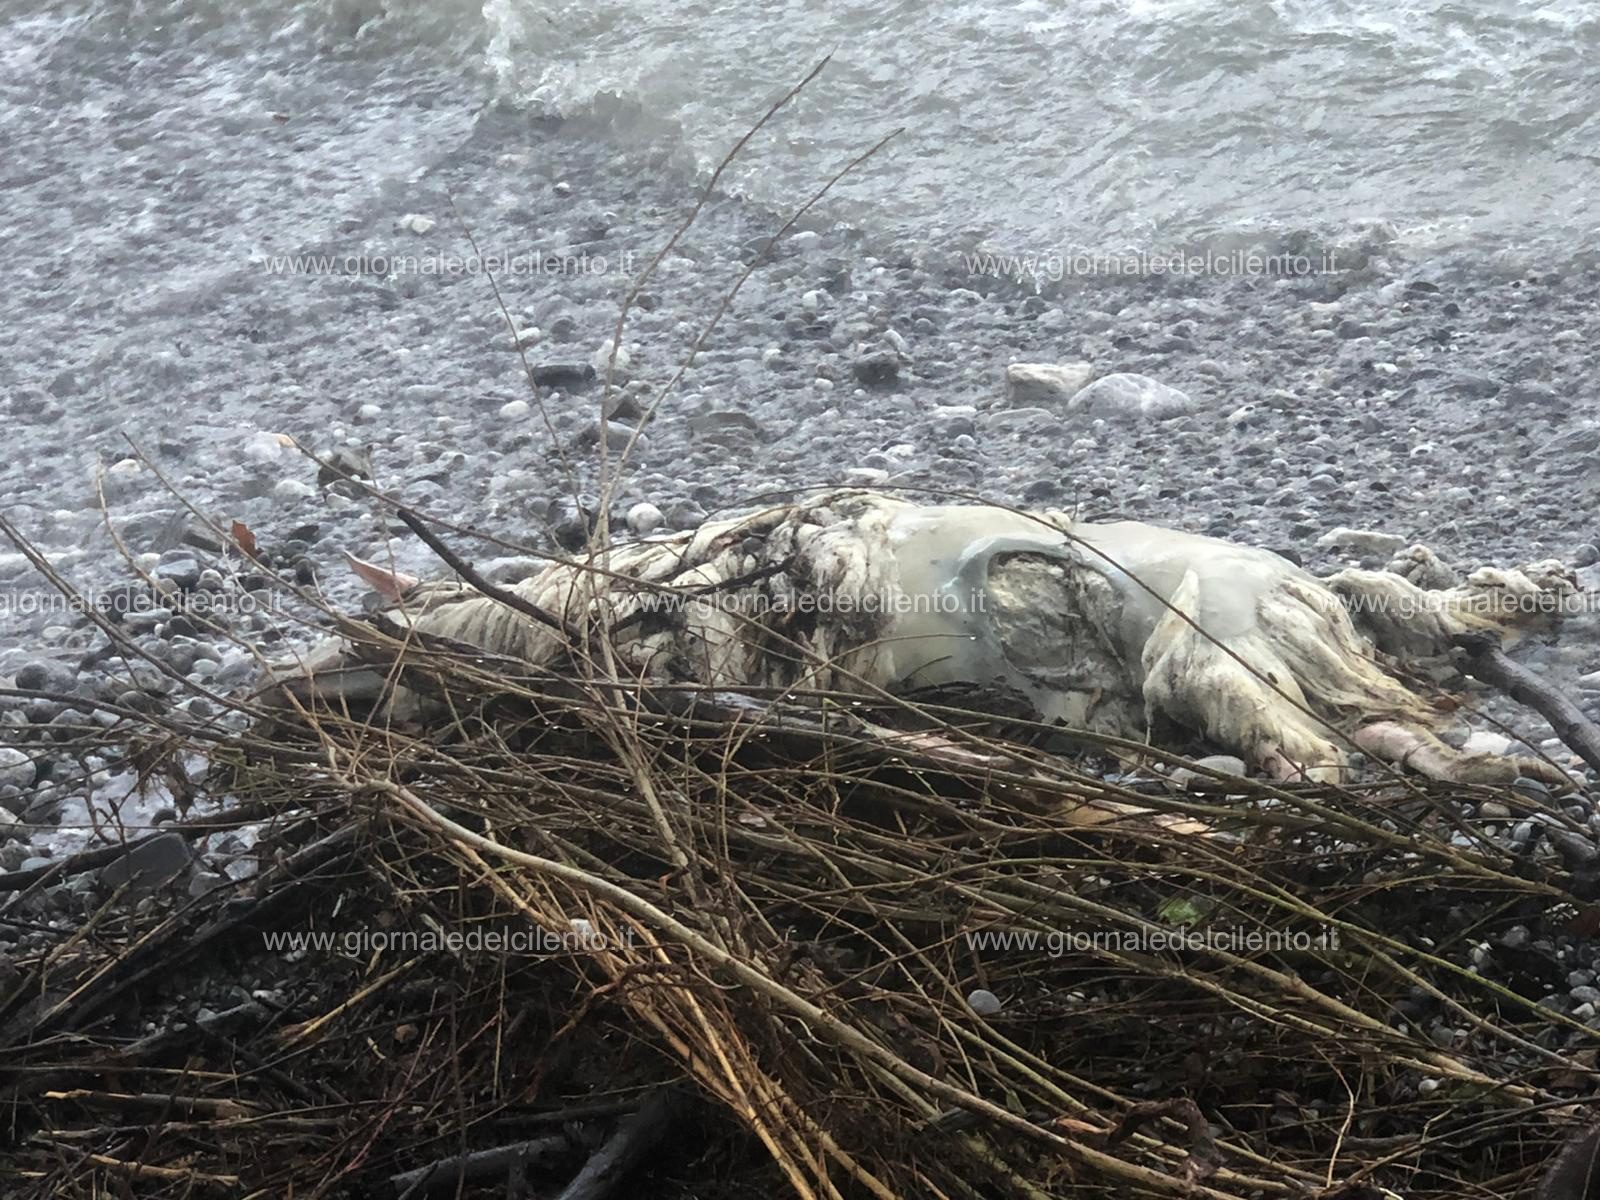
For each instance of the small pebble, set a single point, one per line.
(983, 1002)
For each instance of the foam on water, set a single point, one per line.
(1146, 123)
(1153, 125)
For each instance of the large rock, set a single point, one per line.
(1131, 396)
(1043, 384)
(149, 864)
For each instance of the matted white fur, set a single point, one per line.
(1122, 628)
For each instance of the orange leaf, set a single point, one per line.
(245, 539)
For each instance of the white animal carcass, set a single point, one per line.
(1120, 628)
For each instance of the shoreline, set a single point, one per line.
(1438, 401)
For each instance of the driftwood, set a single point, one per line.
(1575, 1173)
(461, 1169)
(635, 1140)
(637, 1135)
(1486, 661)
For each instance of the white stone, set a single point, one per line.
(644, 518)
(1484, 742)
(1323, 316)
(293, 489)
(1226, 764)
(264, 447)
(602, 360)
(866, 476)
(16, 768)
(1128, 395)
(1361, 541)
(1033, 384)
(515, 410)
(983, 1002)
(415, 223)
(368, 412)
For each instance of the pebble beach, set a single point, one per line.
(209, 302)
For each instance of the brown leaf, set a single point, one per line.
(244, 539)
(1586, 923)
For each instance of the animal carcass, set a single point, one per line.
(1120, 628)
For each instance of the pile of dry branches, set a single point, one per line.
(802, 944)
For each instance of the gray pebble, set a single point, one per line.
(722, 426)
(43, 676)
(1534, 789)
(149, 864)
(180, 568)
(1474, 385)
(983, 1002)
(16, 768)
(684, 514)
(877, 369)
(1576, 849)
(1225, 764)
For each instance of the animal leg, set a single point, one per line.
(1411, 622)
(1412, 746)
(1237, 693)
